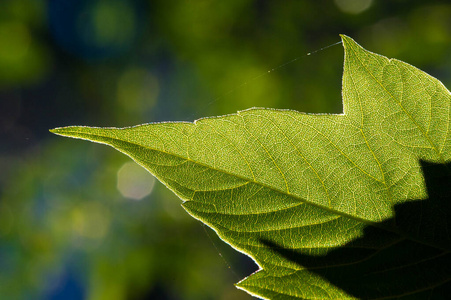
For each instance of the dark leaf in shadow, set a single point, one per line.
(416, 265)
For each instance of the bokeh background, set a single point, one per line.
(79, 220)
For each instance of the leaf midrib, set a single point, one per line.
(372, 223)
(442, 160)
(208, 166)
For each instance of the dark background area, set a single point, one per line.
(79, 220)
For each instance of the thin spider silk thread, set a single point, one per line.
(233, 90)
(220, 254)
(265, 74)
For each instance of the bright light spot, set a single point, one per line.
(137, 90)
(91, 220)
(15, 41)
(22, 59)
(134, 182)
(6, 219)
(111, 23)
(353, 6)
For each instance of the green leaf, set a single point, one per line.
(323, 203)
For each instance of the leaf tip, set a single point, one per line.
(64, 131)
(349, 43)
(346, 40)
(57, 130)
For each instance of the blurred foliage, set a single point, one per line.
(66, 230)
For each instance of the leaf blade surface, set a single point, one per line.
(269, 179)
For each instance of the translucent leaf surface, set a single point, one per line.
(330, 206)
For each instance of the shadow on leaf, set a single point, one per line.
(415, 264)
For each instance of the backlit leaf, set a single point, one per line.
(329, 206)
